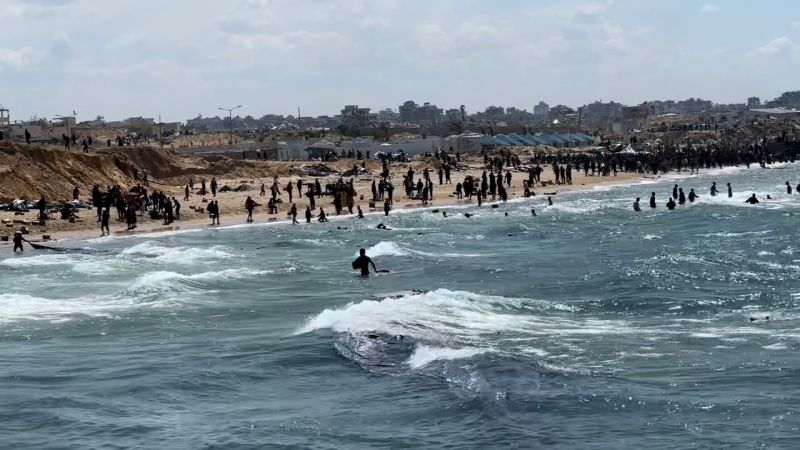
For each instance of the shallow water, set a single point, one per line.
(589, 326)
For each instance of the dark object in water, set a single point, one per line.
(435, 211)
(467, 215)
(495, 206)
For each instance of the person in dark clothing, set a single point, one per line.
(42, 206)
(363, 262)
(249, 205)
(652, 199)
(752, 200)
(18, 241)
(293, 213)
(681, 197)
(27, 136)
(788, 188)
(675, 191)
(308, 214)
(104, 219)
(671, 204)
(360, 213)
(730, 191)
(714, 190)
(692, 195)
(636, 206)
(386, 207)
(76, 193)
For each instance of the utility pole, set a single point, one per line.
(299, 123)
(161, 141)
(230, 120)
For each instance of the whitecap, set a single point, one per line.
(424, 354)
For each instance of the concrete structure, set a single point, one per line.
(355, 117)
(632, 118)
(753, 101)
(427, 114)
(5, 117)
(541, 110)
(783, 113)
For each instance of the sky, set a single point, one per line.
(184, 58)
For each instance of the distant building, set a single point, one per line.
(427, 114)
(388, 115)
(354, 117)
(541, 110)
(140, 125)
(599, 111)
(452, 115)
(753, 101)
(5, 117)
(632, 118)
(782, 113)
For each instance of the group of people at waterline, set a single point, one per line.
(679, 196)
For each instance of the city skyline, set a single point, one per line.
(131, 59)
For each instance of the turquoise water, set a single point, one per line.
(588, 326)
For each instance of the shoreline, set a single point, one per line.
(238, 220)
(197, 222)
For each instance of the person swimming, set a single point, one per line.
(692, 195)
(752, 200)
(363, 262)
(533, 212)
(636, 205)
(671, 204)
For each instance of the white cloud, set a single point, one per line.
(708, 8)
(14, 58)
(781, 45)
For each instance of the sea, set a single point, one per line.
(587, 326)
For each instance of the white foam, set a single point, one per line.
(168, 279)
(15, 307)
(177, 255)
(385, 248)
(776, 346)
(424, 354)
(41, 261)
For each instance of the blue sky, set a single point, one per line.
(180, 58)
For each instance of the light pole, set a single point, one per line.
(230, 119)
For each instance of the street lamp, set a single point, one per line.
(230, 119)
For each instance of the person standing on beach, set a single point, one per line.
(177, 207)
(213, 186)
(42, 205)
(308, 214)
(249, 205)
(293, 213)
(289, 190)
(360, 213)
(186, 193)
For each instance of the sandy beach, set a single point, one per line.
(194, 215)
